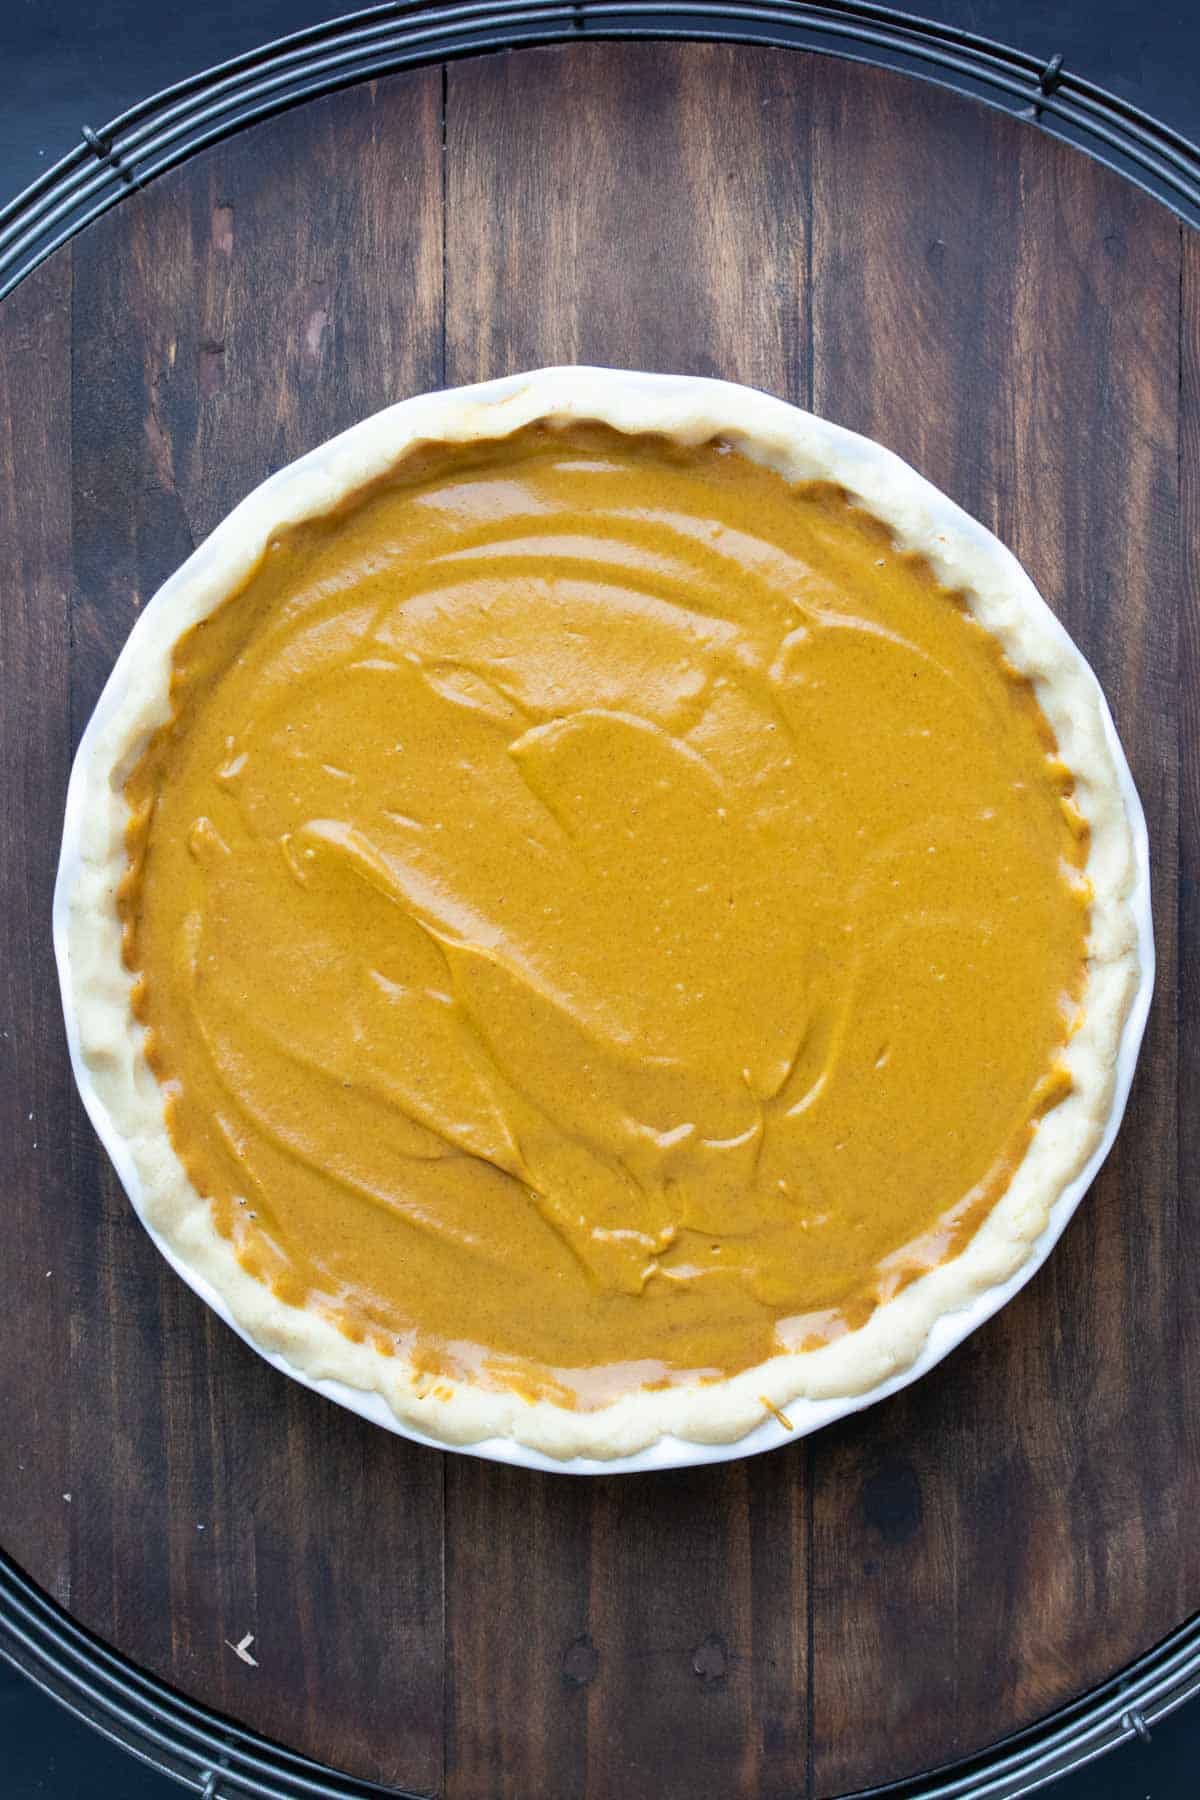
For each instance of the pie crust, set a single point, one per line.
(126, 1101)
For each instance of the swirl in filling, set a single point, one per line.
(601, 912)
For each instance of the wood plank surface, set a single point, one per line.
(35, 1100)
(915, 1582)
(642, 1598)
(1187, 896)
(1002, 279)
(289, 285)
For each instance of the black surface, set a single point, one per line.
(67, 63)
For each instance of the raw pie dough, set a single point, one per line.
(622, 947)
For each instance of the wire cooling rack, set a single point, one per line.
(113, 161)
(206, 1753)
(223, 1761)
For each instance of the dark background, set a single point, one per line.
(68, 63)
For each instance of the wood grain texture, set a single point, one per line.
(35, 1101)
(1003, 280)
(1187, 897)
(641, 208)
(289, 285)
(677, 242)
(915, 1582)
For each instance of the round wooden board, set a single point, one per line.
(916, 1582)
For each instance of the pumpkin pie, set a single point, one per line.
(604, 907)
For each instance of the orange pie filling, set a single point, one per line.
(601, 913)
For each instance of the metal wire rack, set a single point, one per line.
(151, 137)
(209, 1755)
(221, 1761)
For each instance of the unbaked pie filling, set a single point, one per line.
(601, 914)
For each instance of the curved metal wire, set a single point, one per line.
(209, 1755)
(223, 1761)
(161, 131)
(173, 1735)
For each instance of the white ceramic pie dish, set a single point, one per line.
(669, 1450)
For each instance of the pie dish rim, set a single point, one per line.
(652, 1428)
